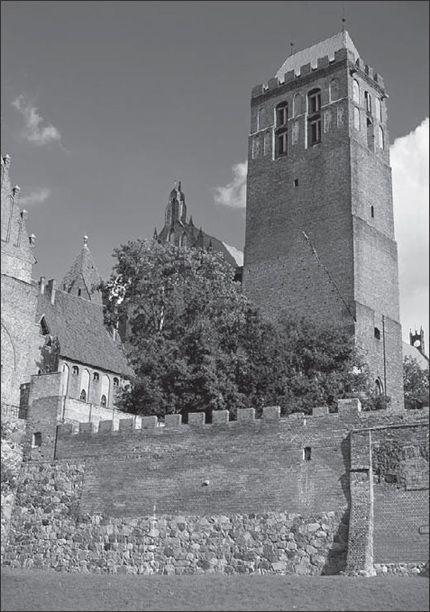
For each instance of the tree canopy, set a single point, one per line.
(415, 383)
(196, 342)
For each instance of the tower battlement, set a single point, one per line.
(295, 76)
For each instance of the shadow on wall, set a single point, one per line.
(337, 555)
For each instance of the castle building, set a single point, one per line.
(48, 329)
(181, 231)
(319, 217)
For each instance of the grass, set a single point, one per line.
(24, 590)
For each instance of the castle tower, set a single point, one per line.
(319, 218)
(83, 277)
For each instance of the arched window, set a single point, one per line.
(334, 90)
(184, 240)
(172, 237)
(104, 388)
(115, 382)
(314, 117)
(368, 102)
(85, 384)
(356, 91)
(381, 138)
(282, 115)
(103, 401)
(261, 119)
(297, 105)
(96, 377)
(75, 370)
(379, 388)
(378, 109)
(83, 395)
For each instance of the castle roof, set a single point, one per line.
(341, 40)
(78, 325)
(83, 272)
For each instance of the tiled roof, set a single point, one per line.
(341, 40)
(78, 324)
(83, 272)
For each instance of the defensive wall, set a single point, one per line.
(306, 494)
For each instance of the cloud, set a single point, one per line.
(410, 165)
(33, 131)
(235, 253)
(234, 194)
(35, 197)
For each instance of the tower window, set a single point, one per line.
(261, 119)
(380, 137)
(377, 333)
(356, 92)
(255, 147)
(357, 118)
(83, 396)
(314, 131)
(297, 105)
(267, 143)
(296, 182)
(282, 143)
(115, 382)
(282, 114)
(334, 90)
(36, 439)
(75, 370)
(378, 109)
(79, 291)
(96, 376)
(372, 211)
(307, 451)
(368, 102)
(103, 401)
(314, 117)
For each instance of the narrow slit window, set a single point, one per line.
(377, 333)
(372, 211)
(307, 451)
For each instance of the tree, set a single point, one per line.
(196, 342)
(416, 383)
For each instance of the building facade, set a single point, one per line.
(319, 217)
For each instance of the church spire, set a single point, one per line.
(83, 277)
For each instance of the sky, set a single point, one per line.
(105, 104)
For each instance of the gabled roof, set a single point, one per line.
(83, 274)
(78, 325)
(341, 40)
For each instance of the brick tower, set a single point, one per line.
(319, 217)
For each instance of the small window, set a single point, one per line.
(44, 326)
(356, 92)
(75, 370)
(381, 137)
(36, 439)
(379, 388)
(314, 101)
(83, 396)
(377, 333)
(368, 102)
(372, 212)
(357, 118)
(314, 131)
(103, 400)
(96, 376)
(307, 453)
(79, 291)
(378, 109)
(115, 382)
(282, 143)
(296, 182)
(282, 114)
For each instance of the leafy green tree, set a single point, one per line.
(196, 342)
(415, 383)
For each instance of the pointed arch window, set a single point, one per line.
(261, 119)
(334, 90)
(381, 138)
(297, 105)
(356, 91)
(103, 400)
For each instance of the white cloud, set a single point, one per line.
(35, 197)
(234, 194)
(410, 165)
(235, 253)
(33, 131)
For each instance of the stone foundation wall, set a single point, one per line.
(48, 531)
